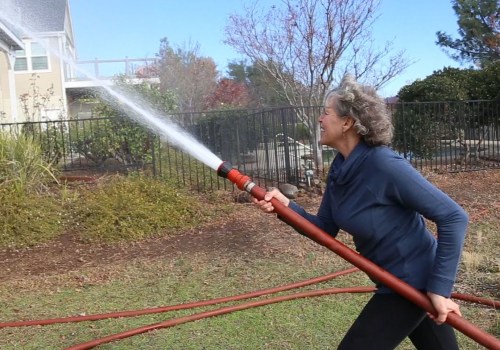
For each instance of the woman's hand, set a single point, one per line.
(266, 205)
(443, 306)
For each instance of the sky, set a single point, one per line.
(115, 29)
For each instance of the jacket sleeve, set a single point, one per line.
(407, 186)
(323, 219)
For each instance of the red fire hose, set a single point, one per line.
(217, 312)
(133, 313)
(254, 294)
(244, 183)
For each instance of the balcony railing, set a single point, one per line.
(133, 68)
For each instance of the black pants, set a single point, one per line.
(388, 319)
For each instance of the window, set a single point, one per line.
(21, 61)
(39, 58)
(33, 58)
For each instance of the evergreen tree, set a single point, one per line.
(454, 84)
(478, 22)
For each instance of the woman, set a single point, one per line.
(380, 199)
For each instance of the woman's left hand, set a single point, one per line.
(443, 306)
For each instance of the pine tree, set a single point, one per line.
(479, 26)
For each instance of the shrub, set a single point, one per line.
(115, 137)
(28, 218)
(184, 170)
(128, 208)
(52, 137)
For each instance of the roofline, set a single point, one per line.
(16, 41)
(70, 21)
(46, 34)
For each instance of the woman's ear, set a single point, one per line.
(348, 123)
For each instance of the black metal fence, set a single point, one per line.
(448, 136)
(272, 146)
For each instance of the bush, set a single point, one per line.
(129, 208)
(52, 137)
(115, 137)
(184, 170)
(415, 132)
(28, 218)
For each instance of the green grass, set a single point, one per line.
(480, 263)
(136, 207)
(316, 323)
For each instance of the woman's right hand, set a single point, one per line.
(443, 307)
(266, 205)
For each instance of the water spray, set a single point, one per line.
(173, 134)
(140, 112)
(375, 272)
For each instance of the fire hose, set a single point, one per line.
(244, 183)
(221, 311)
(133, 313)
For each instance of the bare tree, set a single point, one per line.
(190, 77)
(306, 45)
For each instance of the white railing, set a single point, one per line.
(139, 68)
(135, 70)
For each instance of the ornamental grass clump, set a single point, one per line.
(22, 166)
(30, 214)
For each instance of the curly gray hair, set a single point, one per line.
(372, 119)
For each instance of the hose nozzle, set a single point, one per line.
(241, 181)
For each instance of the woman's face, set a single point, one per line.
(331, 125)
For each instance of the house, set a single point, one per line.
(40, 78)
(9, 43)
(35, 36)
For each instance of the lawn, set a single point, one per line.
(237, 251)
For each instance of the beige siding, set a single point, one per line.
(45, 87)
(5, 90)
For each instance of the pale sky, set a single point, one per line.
(115, 29)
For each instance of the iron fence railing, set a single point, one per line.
(448, 136)
(97, 143)
(272, 146)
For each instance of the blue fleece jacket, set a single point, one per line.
(381, 200)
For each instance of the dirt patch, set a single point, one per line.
(245, 232)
